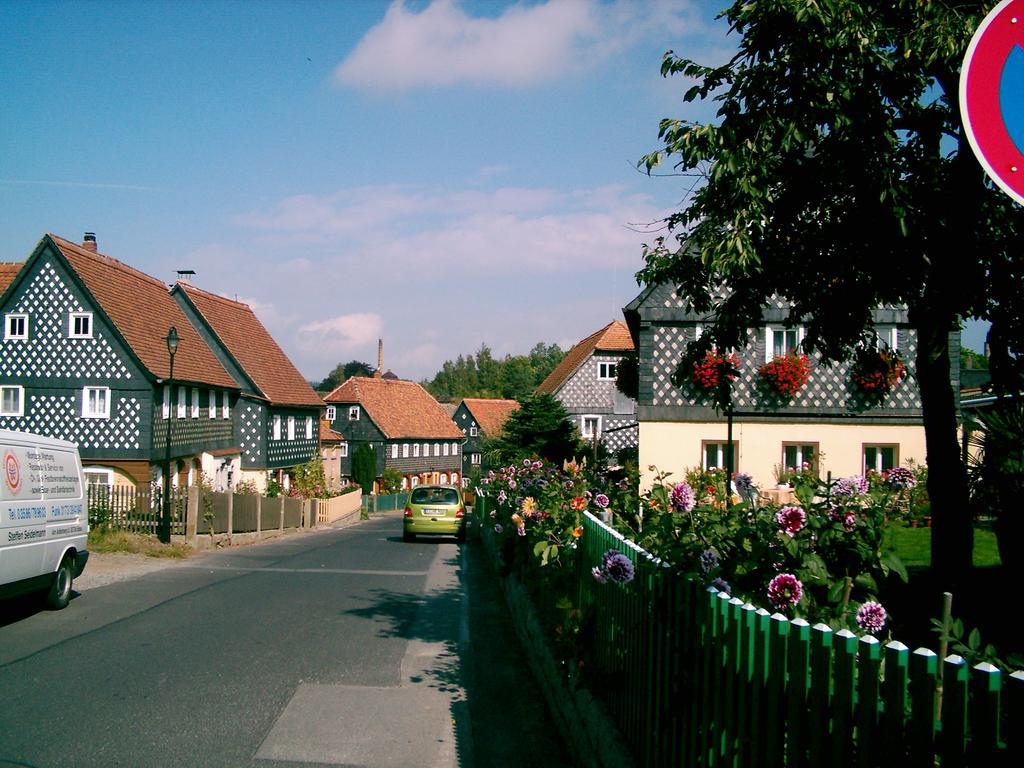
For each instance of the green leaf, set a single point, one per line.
(835, 592)
(539, 548)
(974, 639)
(892, 561)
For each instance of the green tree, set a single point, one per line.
(539, 427)
(512, 377)
(344, 372)
(837, 174)
(364, 467)
(390, 481)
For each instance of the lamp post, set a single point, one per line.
(165, 520)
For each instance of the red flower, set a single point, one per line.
(710, 372)
(786, 374)
(876, 373)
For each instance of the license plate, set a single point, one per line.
(434, 512)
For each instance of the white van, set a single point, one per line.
(44, 516)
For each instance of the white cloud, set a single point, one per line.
(442, 45)
(340, 335)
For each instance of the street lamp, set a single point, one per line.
(165, 521)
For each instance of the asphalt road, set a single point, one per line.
(338, 647)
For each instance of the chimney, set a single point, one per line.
(89, 241)
(185, 275)
(380, 359)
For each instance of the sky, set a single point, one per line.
(439, 174)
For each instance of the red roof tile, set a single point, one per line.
(490, 415)
(400, 408)
(614, 337)
(252, 346)
(143, 310)
(7, 273)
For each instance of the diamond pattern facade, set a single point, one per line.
(58, 416)
(585, 393)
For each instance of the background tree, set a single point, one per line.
(838, 175)
(343, 372)
(480, 375)
(390, 481)
(539, 427)
(364, 467)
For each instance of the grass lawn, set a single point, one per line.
(105, 540)
(913, 545)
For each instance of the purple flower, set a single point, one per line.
(791, 519)
(682, 498)
(521, 530)
(785, 590)
(708, 562)
(527, 462)
(871, 617)
(722, 585)
(501, 497)
(601, 500)
(498, 528)
(901, 478)
(850, 487)
(849, 521)
(511, 484)
(537, 464)
(615, 567)
(744, 484)
(599, 575)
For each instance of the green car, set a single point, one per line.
(434, 510)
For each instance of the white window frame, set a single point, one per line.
(801, 459)
(415, 450)
(182, 397)
(720, 458)
(394, 450)
(225, 409)
(474, 458)
(455, 449)
(195, 402)
(309, 427)
(444, 478)
(353, 413)
(276, 426)
(895, 447)
(437, 449)
(474, 431)
(405, 450)
(589, 434)
(84, 316)
(446, 449)
(21, 400)
(343, 450)
(426, 450)
(291, 427)
(108, 474)
(8, 326)
(769, 340)
(603, 371)
(212, 404)
(332, 413)
(166, 409)
(887, 336)
(89, 413)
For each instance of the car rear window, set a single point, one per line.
(435, 496)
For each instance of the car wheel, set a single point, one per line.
(60, 591)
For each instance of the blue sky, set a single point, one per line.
(437, 174)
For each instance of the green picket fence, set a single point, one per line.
(694, 677)
(390, 501)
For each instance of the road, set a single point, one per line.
(336, 647)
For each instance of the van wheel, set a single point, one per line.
(60, 591)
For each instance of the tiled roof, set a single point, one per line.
(614, 337)
(328, 435)
(7, 273)
(490, 415)
(400, 408)
(253, 348)
(143, 310)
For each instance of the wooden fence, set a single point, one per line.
(696, 678)
(137, 510)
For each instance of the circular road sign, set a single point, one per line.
(992, 96)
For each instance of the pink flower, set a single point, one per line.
(785, 590)
(682, 498)
(791, 519)
(871, 617)
(849, 522)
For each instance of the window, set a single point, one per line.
(606, 371)
(405, 450)
(713, 454)
(473, 431)
(195, 403)
(795, 455)
(437, 449)
(426, 450)
(277, 427)
(590, 427)
(781, 341)
(291, 427)
(881, 458)
(16, 327)
(98, 477)
(96, 403)
(12, 400)
(415, 450)
(394, 451)
(332, 413)
(309, 427)
(474, 458)
(447, 449)
(211, 404)
(405, 483)
(455, 478)
(353, 413)
(80, 325)
(415, 481)
(344, 450)
(444, 478)
(455, 449)
(225, 409)
(167, 402)
(886, 337)
(182, 395)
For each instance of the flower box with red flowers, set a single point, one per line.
(786, 374)
(877, 372)
(713, 369)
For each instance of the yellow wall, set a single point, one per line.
(675, 446)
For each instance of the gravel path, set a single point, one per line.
(108, 567)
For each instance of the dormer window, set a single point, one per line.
(80, 325)
(473, 431)
(353, 413)
(781, 341)
(16, 327)
(606, 371)
(332, 413)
